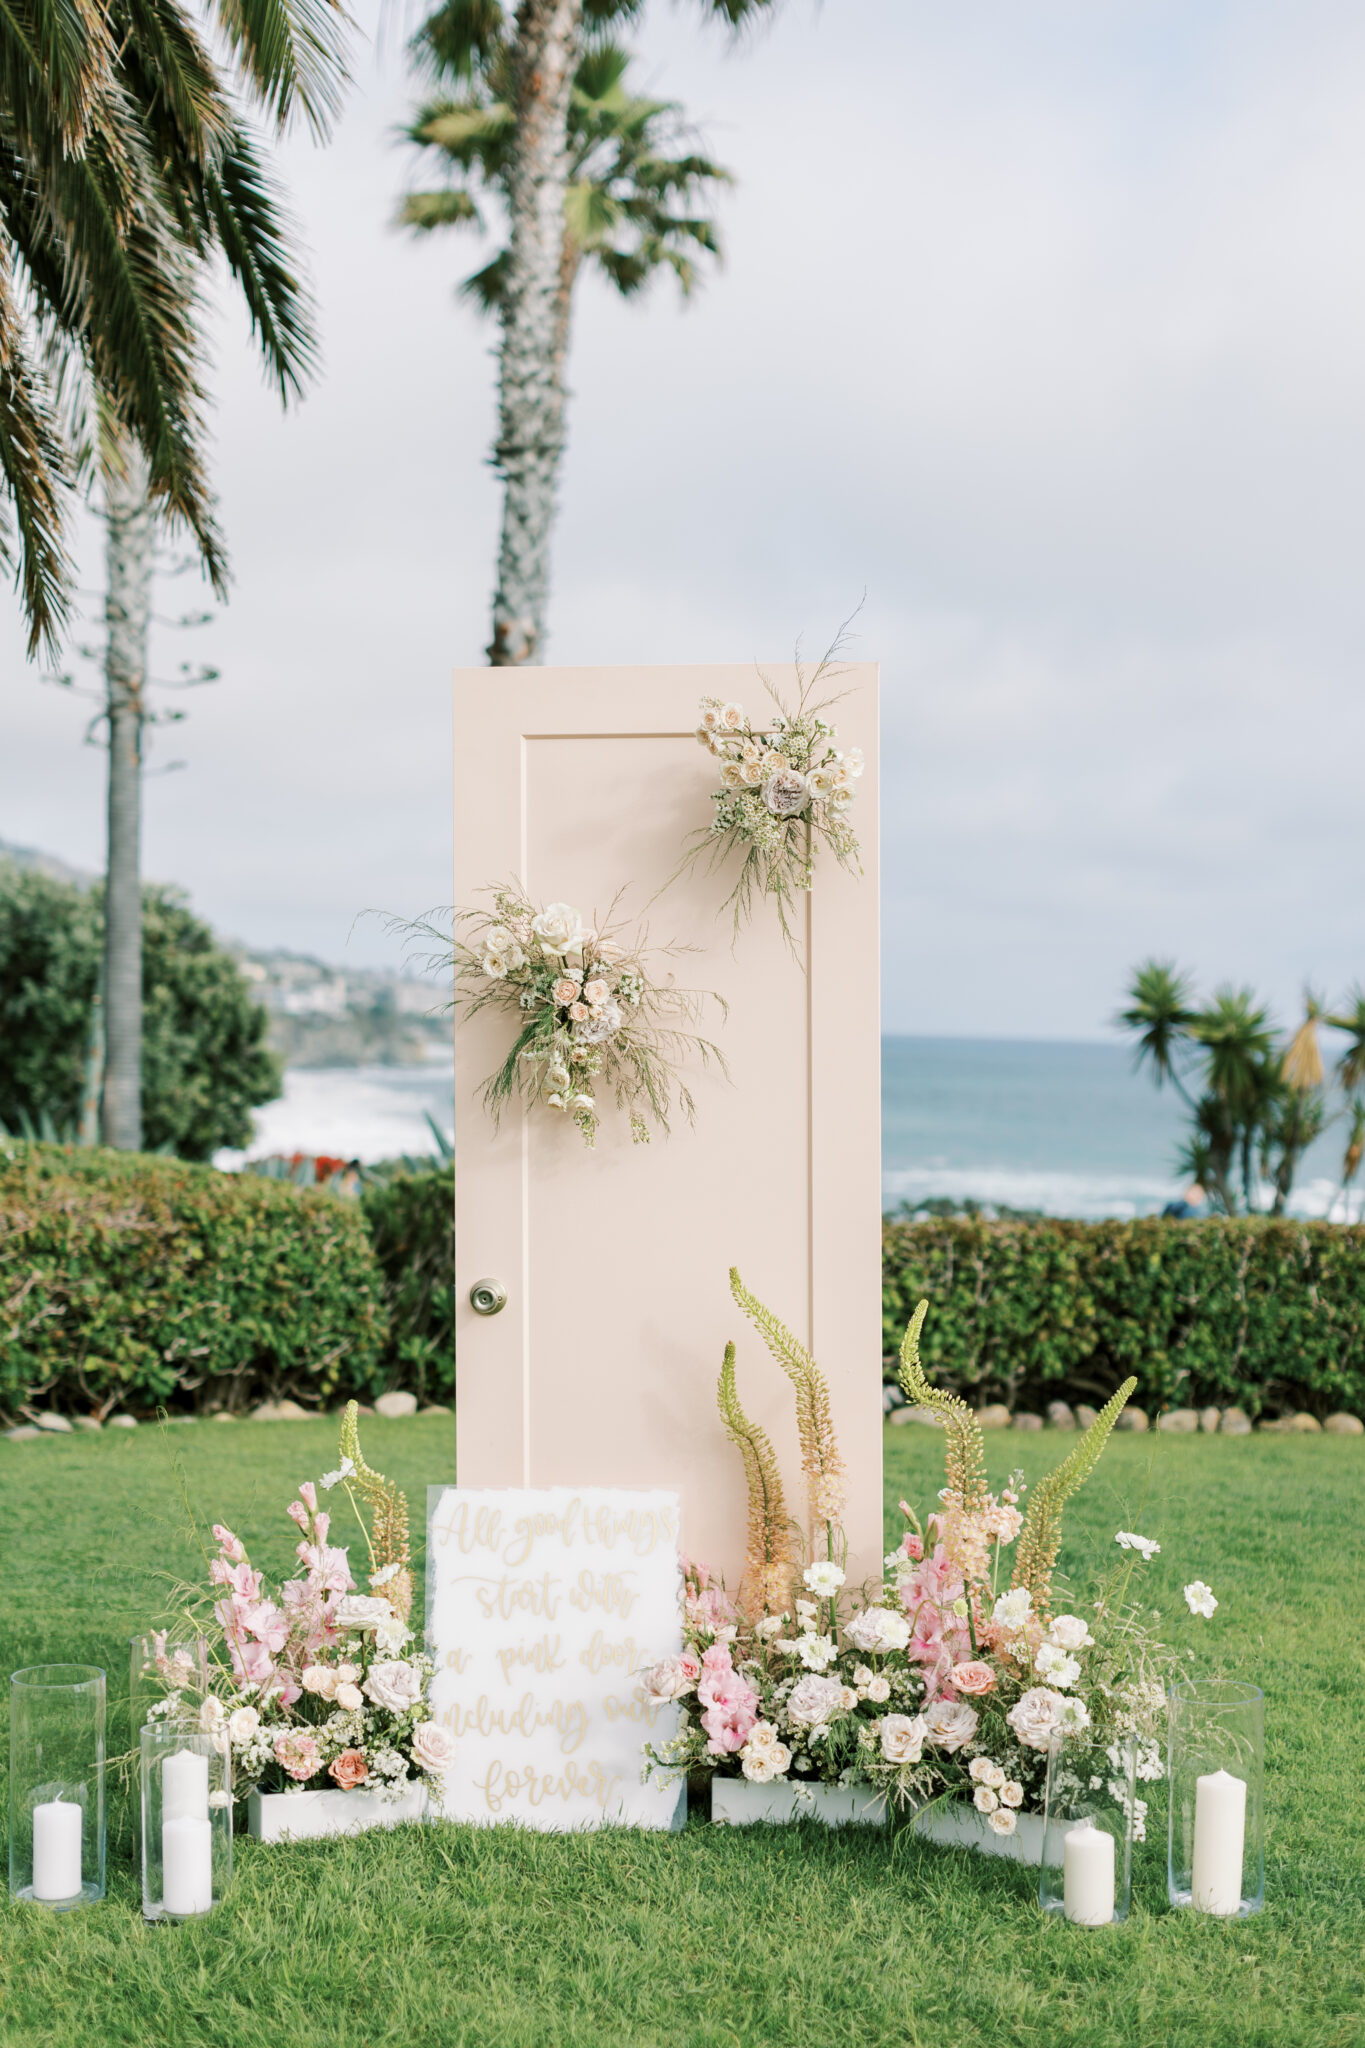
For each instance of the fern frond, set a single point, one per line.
(388, 1506)
(1041, 1536)
(768, 1564)
(965, 1451)
(820, 1459)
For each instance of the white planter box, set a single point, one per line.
(736, 1803)
(960, 1826)
(310, 1816)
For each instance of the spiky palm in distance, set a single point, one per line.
(125, 162)
(584, 172)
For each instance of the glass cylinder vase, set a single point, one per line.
(1087, 1864)
(1215, 1767)
(186, 1820)
(56, 1785)
(161, 1671)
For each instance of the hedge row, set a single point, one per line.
(126, 1281)
(1265, 1315)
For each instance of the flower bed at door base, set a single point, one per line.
(940, 1687)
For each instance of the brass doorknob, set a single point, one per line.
(486, 1297)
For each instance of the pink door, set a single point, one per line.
(601, 1368)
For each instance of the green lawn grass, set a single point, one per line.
(796, 1938)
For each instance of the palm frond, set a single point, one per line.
(33, 463)
(247, 214)
(294, 52)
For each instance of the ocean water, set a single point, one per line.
(1067, 1128)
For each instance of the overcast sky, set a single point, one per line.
(1042, 320)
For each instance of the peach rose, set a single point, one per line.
(349, 1769)
(973, 1678)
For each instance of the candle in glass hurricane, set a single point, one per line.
(187, 1864)
(185, 1786)
(57, 1849)
(1220, 1807)
(1088, 1875)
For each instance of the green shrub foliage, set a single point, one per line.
(411, 1219)
(1266, 1315)
(205, 1063)
(127, 1281)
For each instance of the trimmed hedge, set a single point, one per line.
(411, 1221)
(127, 1281)
(1264, 1315)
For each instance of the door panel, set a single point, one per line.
(601, 1370)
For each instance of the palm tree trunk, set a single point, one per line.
(530, 441)
(129, 553)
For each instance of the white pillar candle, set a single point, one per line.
(1088, 1875)
(57, 1849)
(185, 1786)
(186, 1864)
(1220, 1820)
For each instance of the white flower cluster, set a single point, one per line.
(791, 766)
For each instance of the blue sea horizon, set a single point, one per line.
(1063, 1126)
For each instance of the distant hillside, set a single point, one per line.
(320, 1015)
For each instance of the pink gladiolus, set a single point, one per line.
(228, 1543)
(308, 1494)
(321, 1524)
(912, 1545)
(731, 1710)
(297, 1512)
(262, 1618)
(717, 1658)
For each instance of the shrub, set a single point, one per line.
(1263, 1314)
(411, 1220)
(126, 1281)
(205, 1063)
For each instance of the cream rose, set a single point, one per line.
(732, 716)
(878, 1629)
(564, 992)
(1069, 1632)
(559, 927)
(814, 1701)
(322, 1680)
(1011, 1793)
(433, 1747)
(350, 1697)
(242, 1724)
(1003, 1820)
(1035, 1714)
(984, 1800)
(596, 991)
(878, 1689)
(732, 775)
(950, 1724)
(902, 1738)
(395, 1686)
(785, 793)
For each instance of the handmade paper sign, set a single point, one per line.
(544, 1607)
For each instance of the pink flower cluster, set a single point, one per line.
(939, 1639)
(270, 1644)
(728, 1701)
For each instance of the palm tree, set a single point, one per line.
(1351, 1020)
(1355, 1151)
(119, 145)
(1160, 1015)
(217, 196)
(519, 129)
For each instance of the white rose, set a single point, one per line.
(732, 716)
(814, 1701)
(583, 1105)
(559, 928)
(350, 1697)
(750, 774)
(1035, 1714)
(820, 783)
(433, 1747)
(950, 1724)
(212, 1715)
(564, 992)
(823, 1578)
(710, 719)
(732, 775)
(242, 1725)
(878, 1689)
(758, 1766)
(1069, 1632)
(902, 1738)
(984, 1799)
(878, 1629)
(993, 1776)
(363, 1611)
(853, 760)
(1011, 1793)
(394, 1686)
(1002, 1820)
(596, 991)
(977, 1769)
(322, 1680)
(557, 1075)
